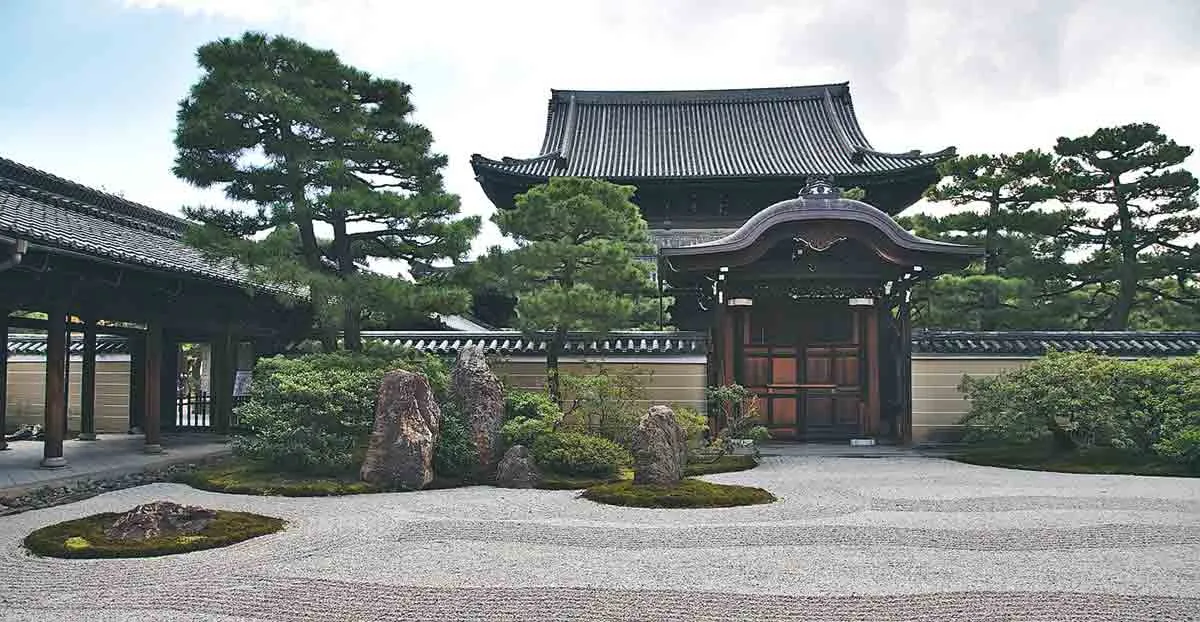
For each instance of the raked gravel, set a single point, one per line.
(849, 539)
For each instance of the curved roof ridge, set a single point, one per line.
(811, 208)
(53, 184)
(76, 205)
(695, 96)
(857, 151)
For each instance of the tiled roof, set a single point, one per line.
(1015, 343)
(772, 132)
(35, 344)
(51, 211)
(513, 343)
(1035, 343)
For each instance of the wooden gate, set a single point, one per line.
(806, 362)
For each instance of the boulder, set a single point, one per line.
(479, 394)
(407, 424)
(659, 448)
(161, 518)
(517, 469)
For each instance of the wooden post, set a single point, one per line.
(152, 386)
(874, 397)
(221, 381)
(87, 382)
(3, 377)
(905, 356)
(168, 396)
(136, 345)
(56, 404)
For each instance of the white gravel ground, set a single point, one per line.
(858, 539)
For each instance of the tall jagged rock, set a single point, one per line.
(659, 448)
(405, 435)
(481, 398)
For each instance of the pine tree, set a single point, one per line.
(1000, 196)
(576, 266)
(339, 174)
(1135, 220)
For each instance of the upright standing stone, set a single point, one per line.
(479, 394)
(407, 424)
(659, 448)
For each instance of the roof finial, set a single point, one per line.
(820, 187)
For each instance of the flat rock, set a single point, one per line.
(659, 448)
(517, 469)
(481, 398)
(407, 423)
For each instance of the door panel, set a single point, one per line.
(805, 368)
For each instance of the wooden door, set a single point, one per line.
(805, 362)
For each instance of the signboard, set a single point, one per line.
(241, 383)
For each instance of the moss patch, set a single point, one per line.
(558, 481)
(242, 478)
(1100, 460)
(689, 493)
(84, 537)
(725, 464)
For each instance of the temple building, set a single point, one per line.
(803, 293)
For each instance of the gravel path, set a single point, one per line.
(850, 539)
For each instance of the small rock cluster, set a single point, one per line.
(160, 518)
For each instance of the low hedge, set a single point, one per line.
(1098, 460)
(84, 538)
(688, 493)
(724, 464)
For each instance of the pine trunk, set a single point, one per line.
(1127, 271)
(557, 342)
(991, 267)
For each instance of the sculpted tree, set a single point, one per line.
(1001, 197)
(578, 263)
(338, 173)
(1136, 221)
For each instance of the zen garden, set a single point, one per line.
(706, 375)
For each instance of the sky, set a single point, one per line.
(89, 88)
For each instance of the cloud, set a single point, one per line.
(979, 74)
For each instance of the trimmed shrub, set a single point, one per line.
(527, 416)
(605, 404)
(1083, 401)
(313, 413)
(572, 453)
(693, 423)
(688, 493)
(455, 455)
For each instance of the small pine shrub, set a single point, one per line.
(455, 455)
(573, 453)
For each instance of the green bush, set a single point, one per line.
(605, 404)
(693, 423)
(528, 415)
(688, 493)
(573, 453)
(1082, 401)
(455, 455)
(529, 404)
(313, 413)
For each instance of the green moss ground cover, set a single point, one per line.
(245, 478)
(725, 464)
(1100, 460)
(689, 493)
(84, 538)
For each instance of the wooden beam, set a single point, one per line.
(874, 397)
(137, 378)
(87, 382)
(55, 424)
(3, 377)
(168, 397)
(152, 385)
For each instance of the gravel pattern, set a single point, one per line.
(881, 539)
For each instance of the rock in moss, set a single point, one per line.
(75, 543)
(407, 423)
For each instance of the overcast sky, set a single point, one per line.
(89, 88)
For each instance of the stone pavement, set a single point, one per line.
(893, 538)
(110, 455)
